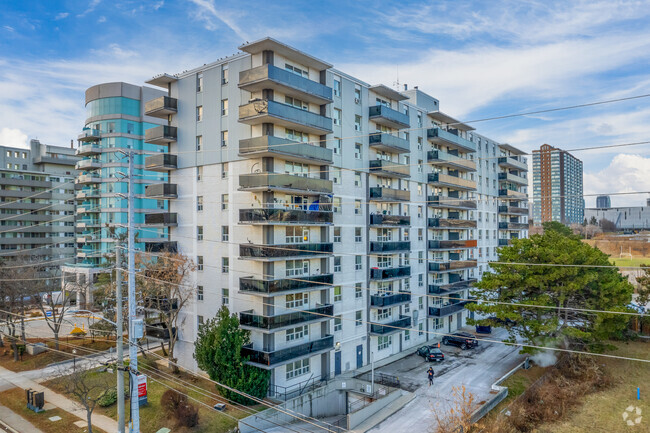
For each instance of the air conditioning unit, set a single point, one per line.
(357, 101)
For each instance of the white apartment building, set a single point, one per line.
(338, 219)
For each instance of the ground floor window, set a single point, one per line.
(384, 341)
(297, 368)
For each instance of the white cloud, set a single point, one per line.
(207, 12)
(9, 29)
(101, 19)
(625, 173)
(92, 5)
(61, 15)
(13, 138)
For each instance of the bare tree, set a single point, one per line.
(456, 414)
(87, 387)
(166, 288)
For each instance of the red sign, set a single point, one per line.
(142, 389)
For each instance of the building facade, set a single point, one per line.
(37, 202)
(557, 186)
(603, 202)
(338, 219)
(625, 218)
(116, 120)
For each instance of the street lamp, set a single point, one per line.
(74, 359)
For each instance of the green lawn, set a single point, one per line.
(634, 261)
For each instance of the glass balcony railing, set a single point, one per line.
(389, 299)
(513, 178)
(161, 107)
(284, 216)
(265, 111)
(453, 286)
(388, 247)
(276, 357)
(512, 162)
(281, 181)
(269, 323)
(254, 251)
(438, 157)
(511, 193)
(268, 145)
(448, 181)
(450, 202)
(271, 77)
(513, 210)
(162, 219)
(161, 191)
(388, 142)
(451, 266)
(391, 327)
(89, 178)
(512, 226)
(451, 223)
(163, 162)
(447, 310)
(162, 135)
(390, 273)
(89, 135)
(388, 117)
(88, 164)
(88, 150)
(450, 139)
(389, 168)
(389, 220)
(451, 244)
(380, 193)
(282, 285)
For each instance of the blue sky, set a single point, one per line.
(481, 59)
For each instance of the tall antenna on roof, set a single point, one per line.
(396, 82)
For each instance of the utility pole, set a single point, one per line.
(120, 352)
(133, 340)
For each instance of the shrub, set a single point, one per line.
(108, 398)
(177, 406)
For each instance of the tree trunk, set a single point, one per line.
(89, 414)
(22, 327)
(56, 340)
(2, 342)
(14, 347)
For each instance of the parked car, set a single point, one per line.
(463, 340)
(431, 353)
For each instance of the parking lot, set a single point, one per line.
(476, 369)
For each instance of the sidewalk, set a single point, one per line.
(21, 381)
(16, 422)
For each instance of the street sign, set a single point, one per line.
(142, 390)
(48, 313)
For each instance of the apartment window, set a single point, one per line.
(419, 143)
(420, 210)
(225, 264)
(337, 146)
(357, 207)
(336, 89)
(338, 296)
(419, 189)
(297, 368)
(383, 313)
(9, 154)
(224, 107)
(420, 329)
(338, 323)
(357, 122)
(224, 74)
(420, 234)
(337, 264)
(225, 296)
(225, 233)
(336, 175)
(337, 234)
(224, 170)
(358, 291)
(296, 300)
(357, 150)
(199, 142)
(358, 318)
(407, 335)
(224, 138)
(199, 233)
(199, 173)
(419, 120)
(199, 263)
(199, 203)
(296, 235)
(297, 268)
(384, 342)
(199, 113)
(336, 204)
(357, 234)
(420, 303)
(357, 94)
(199, 293)
(297, 333)
(224, 201)
(336, 116)
(420, 280)
(406, 234)
(303, 72)
(199, 82)
(419, 166)
(357, 179)
(199, 320)
(357, 263)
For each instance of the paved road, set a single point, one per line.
(476, 369)
(39, 328)
(15, 421)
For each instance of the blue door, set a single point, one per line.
(360, 356)
(337, 363)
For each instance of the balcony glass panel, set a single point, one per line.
(379, 193)
(450, 266)
(385, 247)
(258, 78)
(284, 182)
(389, 168)
(267, 287)
(390, 220)
(389, 299)
(162, 134)
(273, 146)
(388, 273)
(391, 327)
(284, 216)
(276, 357)
(284, 250)
(248, 318)
(264, 110)
(389, 117)
(161, 190)
(388, 142)
(439, 157)
(450, 138)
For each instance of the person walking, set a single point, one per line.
(430, 375)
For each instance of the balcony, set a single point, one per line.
(390, 220)
(389, 300)
(380, 193)
(88, 164)
(247, 319)
(512, 162)
(512, 194)
(159, 247)
(519, 180)
(391, 327)
(85, 252)
(166, 219)
(86, 193)
(161, 191)
(284, 182)
(388, 143)
(274, 147)
(88, 150)
(515, 210)
(265, 359)
(271, 77)
(284, 216)
(162, 163)
(451, 244)
(86, 179)
(438, 157)
(161, 107)
(386, 116)
(504, 242)
(447, 309)
(390, 273)
(455, 286)
(451, 266)
(512, 226)
(85, 223)
(447, 181)
(280, 286)
(162, 135)
(450, 139)
(389, 168)
(88, 208)
(450, 202)
(266, 111)
(283, 251)
(450, 223)
(389, 247)
(89, 135)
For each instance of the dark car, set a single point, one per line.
(463, 340)
(431, 353)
